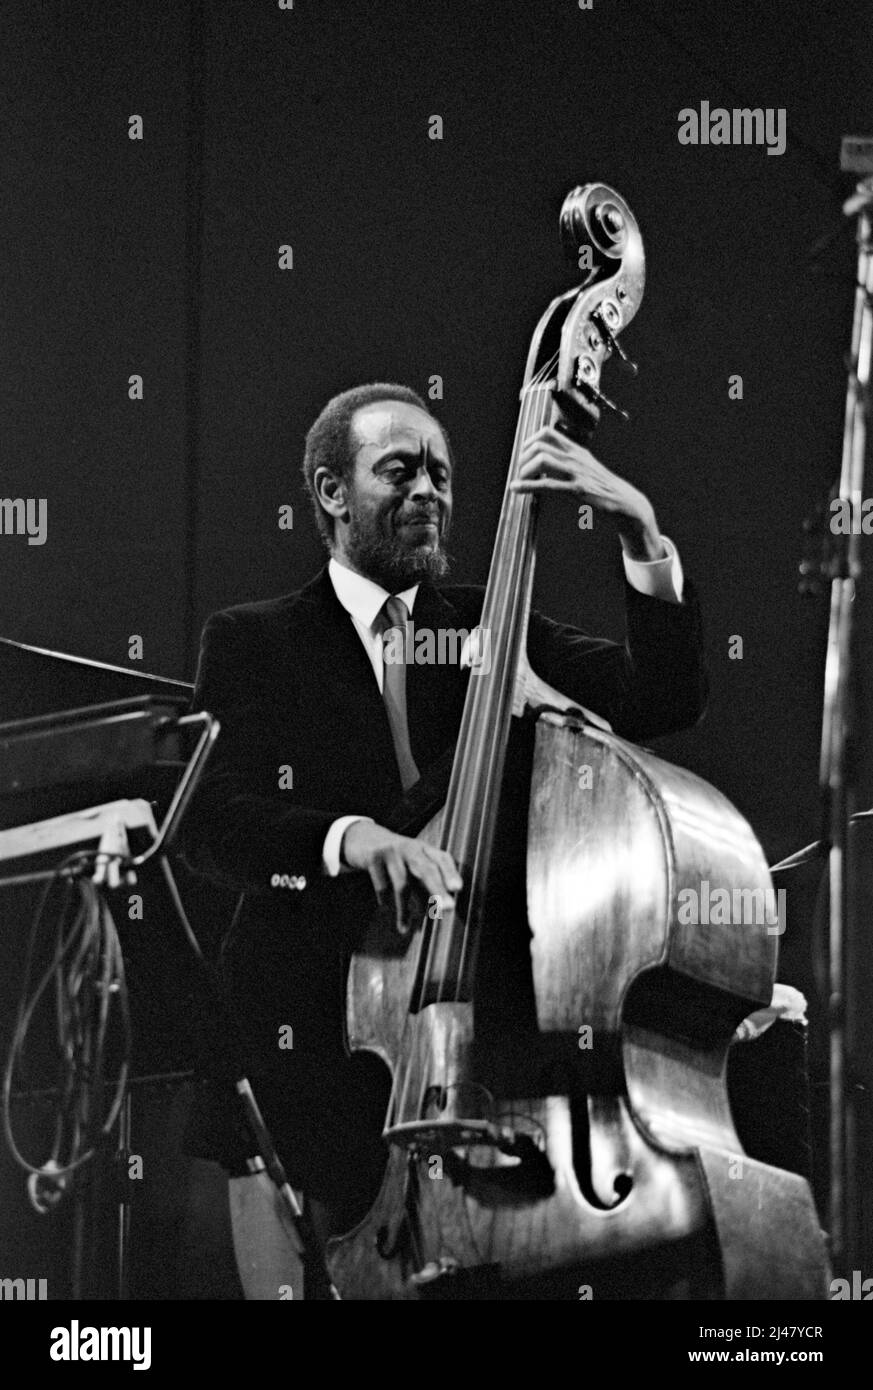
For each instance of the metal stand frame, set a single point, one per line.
(318, 1279)
(837, 772)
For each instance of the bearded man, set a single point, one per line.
(321, 737)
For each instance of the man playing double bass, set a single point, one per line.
(322, 733)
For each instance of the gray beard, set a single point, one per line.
(390, 563)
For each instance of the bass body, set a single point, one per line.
(626, 1178)
(557, 1037)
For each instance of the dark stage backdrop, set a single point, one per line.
(308, 127)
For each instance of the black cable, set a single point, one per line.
(87, 970)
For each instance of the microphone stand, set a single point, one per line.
(837, 772)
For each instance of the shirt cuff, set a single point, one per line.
(330, 854)
(658, 578)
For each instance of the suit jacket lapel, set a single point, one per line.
(331, 663)
(331, 641)
(434, 693)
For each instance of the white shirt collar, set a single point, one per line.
(362, 598)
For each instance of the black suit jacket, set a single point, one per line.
(293, 687)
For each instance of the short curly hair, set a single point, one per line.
(329, 444)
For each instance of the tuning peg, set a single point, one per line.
(609, 337)
(627, 363)
(584, 384)
(600, 399)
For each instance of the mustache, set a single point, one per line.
(433, 515)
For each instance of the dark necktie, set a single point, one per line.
(394, 615)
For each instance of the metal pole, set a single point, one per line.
(837, 773)
(123, 1233)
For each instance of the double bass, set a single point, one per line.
(558, 1124)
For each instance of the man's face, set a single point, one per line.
(400, 498)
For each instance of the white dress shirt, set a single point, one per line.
(363, 600)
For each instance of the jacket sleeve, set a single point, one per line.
(654, 683)
(240, 828)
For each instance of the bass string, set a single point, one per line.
(452, 833)
(482, 752)
(414, 1063)
(518, 594)
(536, 407)
(500, 612)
